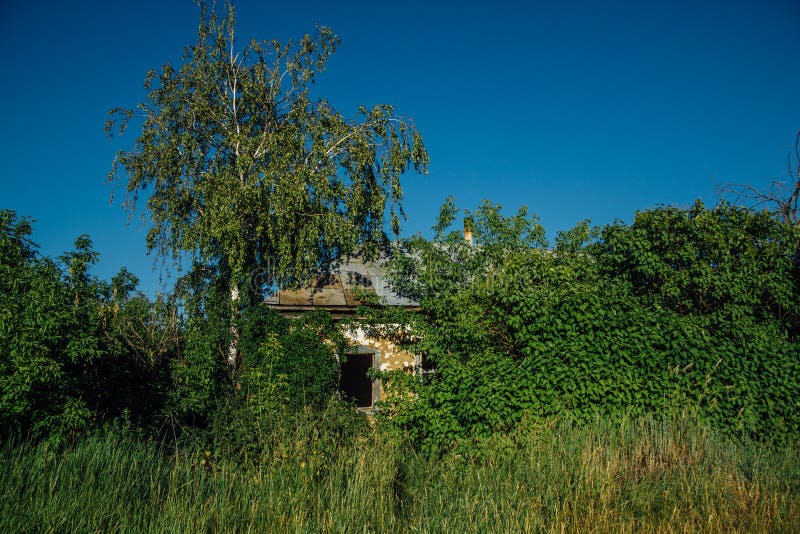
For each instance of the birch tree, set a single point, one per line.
(239, 167)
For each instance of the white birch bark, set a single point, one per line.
(233, 349)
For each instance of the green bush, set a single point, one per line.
(683, 310)
(74, 350)
(300, 353)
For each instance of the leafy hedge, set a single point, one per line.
(77, 352)
(683, 310)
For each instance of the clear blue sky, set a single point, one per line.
(577, 110)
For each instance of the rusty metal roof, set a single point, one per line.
(336, 288)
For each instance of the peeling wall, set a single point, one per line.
(392, 355)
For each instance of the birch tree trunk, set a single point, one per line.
(233, 346)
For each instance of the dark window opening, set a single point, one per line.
(426, 364)
(426, 369)
(356, 386)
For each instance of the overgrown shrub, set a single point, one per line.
(301, 353)
(682, 310)
(75, 351)
(49, 334)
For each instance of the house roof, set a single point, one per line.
(337, 287)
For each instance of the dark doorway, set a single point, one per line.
(356, 385)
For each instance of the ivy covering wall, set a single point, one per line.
(683, 310)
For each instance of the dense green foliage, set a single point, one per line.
(682, 310)
(75, 350)
(301, 352)
(648, 475)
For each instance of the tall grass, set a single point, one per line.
(623, 476)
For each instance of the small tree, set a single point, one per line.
(244, 170)
(49, 334)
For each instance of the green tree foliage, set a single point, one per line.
(683, 310)
(48, 333)
(243, 168)
(74, 350)
(199, 376)
(726, 263)
(286, 364)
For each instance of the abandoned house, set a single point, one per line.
(336, 290)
